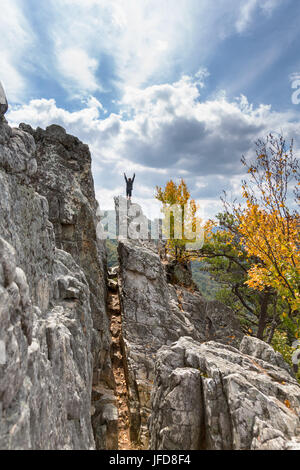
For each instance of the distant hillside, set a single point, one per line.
(207, 286)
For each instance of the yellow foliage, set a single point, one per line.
(269, 231)
(274, 240)
(181, 221)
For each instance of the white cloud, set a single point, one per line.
(166, 132)
(147, 40)
(248, 8)
(140, 37)
(44, 112)
(16, 38)
(246, 12)
(78, 68)
(91, 45)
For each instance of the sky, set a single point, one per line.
(163, 88)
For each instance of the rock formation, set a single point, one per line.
(53, 325)
(3, 101)
(214, 396)
(190, 375)
(156, 313)
(64, 177)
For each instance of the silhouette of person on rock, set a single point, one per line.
(129, 186)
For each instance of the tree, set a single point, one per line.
(228, 263)
(269, 228)
(181, 222)
(254, 253)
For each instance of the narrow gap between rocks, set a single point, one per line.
(121, 392)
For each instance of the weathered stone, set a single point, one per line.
(239, 401)
(256, 348)
(105, 418)
(46, 378)
(180, 273)
(113, 272)
(64, 177)
(112, 285)
(17, 153)
(48, 343)
(155, 313)
(3, 101)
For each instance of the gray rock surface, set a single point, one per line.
(156, 313)
(214, 396)
(49, 335)
(64, 177)
(3, 101)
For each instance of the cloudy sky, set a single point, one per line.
(162, 88)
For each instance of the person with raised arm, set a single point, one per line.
(129, 186)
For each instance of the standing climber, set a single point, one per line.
(129, 185)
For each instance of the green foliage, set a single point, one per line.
(204, 281)
(228, 266)
(280, 343)
(112, 253)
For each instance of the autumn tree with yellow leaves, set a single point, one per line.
(181, 223)
(252, 249)
(228, 264)
(269, 226)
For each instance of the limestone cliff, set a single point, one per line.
(155, 313)
(213, 396)
(54, 330)
(181, 366)
(64, 177)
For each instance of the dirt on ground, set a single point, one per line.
(114, 309)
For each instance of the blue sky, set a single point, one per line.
(161, 88)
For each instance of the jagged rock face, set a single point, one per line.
(3, 101)
(45, 317)
(132, 224)
(155, 313)
(24, 213)
(48, 304)
(214, 396)
(64, 177)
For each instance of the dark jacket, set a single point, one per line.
(129, 184)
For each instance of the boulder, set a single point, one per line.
(3, 101)
(216, 397)
(156, 313)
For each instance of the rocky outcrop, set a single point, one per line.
(46, 361)
(156, 313)
(53, 323)
(3, 101)
(64, 177)
(187, 371)
(214, 396)
(45, 320)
